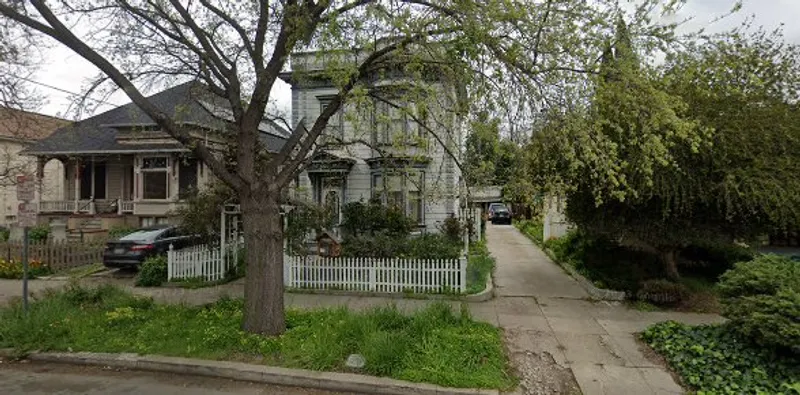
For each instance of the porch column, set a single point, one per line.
(91, 195)
(77, 181)
(92, 190)
(40, 162)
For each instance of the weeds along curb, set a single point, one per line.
(330, 381)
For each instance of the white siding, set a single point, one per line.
(442, 174)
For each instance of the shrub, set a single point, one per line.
(762, 300)
(39, 233)
(453, 229)
(118, 231)
(373, 218)
(5, 233)
(153, 272)
(381, 245)
(432, 246)
(386, 245)
(713, 359)
(605, 262)
(661, 292)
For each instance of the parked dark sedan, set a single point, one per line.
(133, 249)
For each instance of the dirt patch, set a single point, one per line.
(539, 374)
(700, 302)
(531, 359)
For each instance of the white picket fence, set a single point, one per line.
(388, 275)
(200, 261)
(382, 275)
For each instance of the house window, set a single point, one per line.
(187, 178)
(155, 178)
(394, 123)
(334, 132)
(401, 190)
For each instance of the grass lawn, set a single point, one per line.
(435, 345)
(711, 359)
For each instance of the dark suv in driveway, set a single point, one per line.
(499, 214)
(133, 249)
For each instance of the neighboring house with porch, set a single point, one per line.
(121, 169)
(19, 130)
(378, 151)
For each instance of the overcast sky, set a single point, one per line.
(68, 72)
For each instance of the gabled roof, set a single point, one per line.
(190, 103)
(27, 126)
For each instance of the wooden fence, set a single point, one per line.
(376, 275)
(59, 255)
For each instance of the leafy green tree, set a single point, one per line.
(498, 54)
(713, 160)
(618, 161)
(482, 150)
(744, 86)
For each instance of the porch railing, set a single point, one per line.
(57, 206)
(125, 206)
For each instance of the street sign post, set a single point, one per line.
(26, 215)
(26, 188)
(26, 218)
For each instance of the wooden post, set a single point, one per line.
(462, 268)
(77, 184)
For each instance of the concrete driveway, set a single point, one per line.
(546, 312)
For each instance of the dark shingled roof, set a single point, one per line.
(189, 103)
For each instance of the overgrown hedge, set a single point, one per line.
(762, 300)
(384, 245)
(610, 265)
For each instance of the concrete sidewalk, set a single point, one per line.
(544, 311)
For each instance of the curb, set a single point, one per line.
(591, 289)
(330, 381)
(483, 296)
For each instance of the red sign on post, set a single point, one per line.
(26, 188)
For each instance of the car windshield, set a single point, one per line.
(497, 207)
(501, 210)
(143, 235)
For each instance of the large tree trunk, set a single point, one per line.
(263, 291)
(670, 260)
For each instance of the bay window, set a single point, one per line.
(155, 178)
(403, 190)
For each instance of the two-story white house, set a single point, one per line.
(386, 145)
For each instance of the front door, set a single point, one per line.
(93, 180)
(331, 197)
